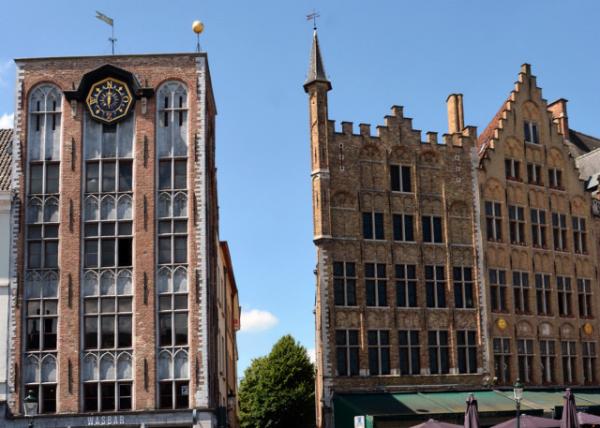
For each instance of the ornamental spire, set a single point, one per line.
(316, 69)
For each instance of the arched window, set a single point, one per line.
(107, 385)
(39, 376)
(173, 379)
(172, 226)
(44, 123)
(172, 120)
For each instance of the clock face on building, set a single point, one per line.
(109, 100)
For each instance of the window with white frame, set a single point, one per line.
(521, 292)
(107, 379)
(435, 286)
(403, 227)
(543, 294)
(512, 169)
(107, 303)
(462, 277)
(400, 178)
(466, 347)
(439, 352)
(579, 235)
(409, 352)
(344, 283)
(538, 227)
(516, 223)
(563, 287)
(498, 289)
(432, 229)
(347, 352)
(373, 225)
(172, 228)
(534, 174)
(379, 352)
(493, 220)
(559, 231)
(548, 357)
(589, 362)
(502, 356)
(107, 295)
(555, 178)
(41, 247)
(172, 306)
(525, 358)
(173, 379)
(41, 314)
(530, 132)
(376, 284)
(569, 361)
(406, 286)
(39, 378)
(584, 297)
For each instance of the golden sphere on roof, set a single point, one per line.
(197, 27)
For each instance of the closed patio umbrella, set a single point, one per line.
(432, 423)
(530, 422)
(472, 413)
(569, 414)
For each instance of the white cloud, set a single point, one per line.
(256, 320)
(312, 354)
(6, 120)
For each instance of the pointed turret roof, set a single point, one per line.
(316, 69)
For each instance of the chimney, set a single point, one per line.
(559, 116)
(456, 121)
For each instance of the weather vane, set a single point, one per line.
(111, 22)
(313, 17)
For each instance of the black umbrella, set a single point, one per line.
(471, 414)
(569, 415)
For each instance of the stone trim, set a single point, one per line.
(479, 262)
(16, 176)
(201, 265)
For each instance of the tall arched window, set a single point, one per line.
(107, 296)
(41, 254)
(172, 229)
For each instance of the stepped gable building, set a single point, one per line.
(115, 279)
(398, 299)
(539, 248)
(454, 265)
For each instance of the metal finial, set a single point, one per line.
(197, 27)
(313, 17)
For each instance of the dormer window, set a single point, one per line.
(530, 131)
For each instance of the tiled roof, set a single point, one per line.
(6, 136)
(488, 133)
(582, 143)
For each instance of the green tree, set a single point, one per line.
(278, 390)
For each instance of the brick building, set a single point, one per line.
(451, 264)
(115, 244)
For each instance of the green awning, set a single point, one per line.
(450, 406)
(487, 401)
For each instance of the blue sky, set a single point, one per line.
(377, 54)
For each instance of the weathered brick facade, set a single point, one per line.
(563, 320)
(364, 187)
(191, 72)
